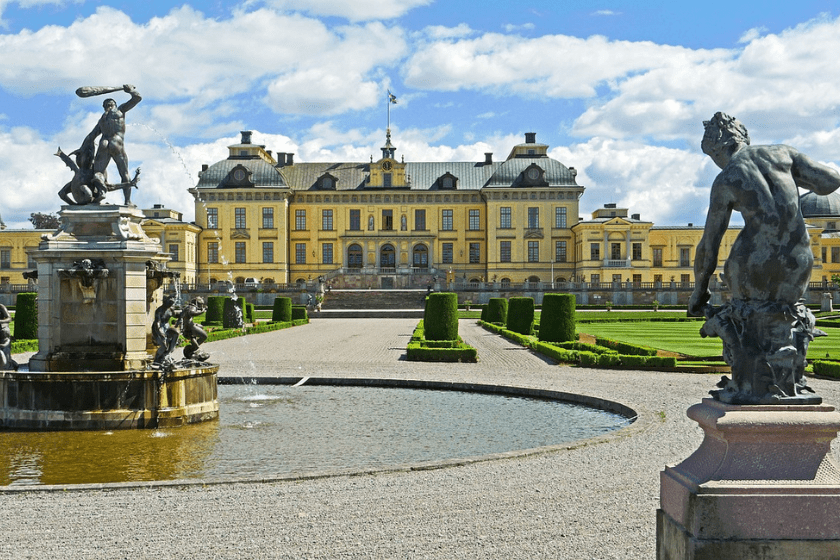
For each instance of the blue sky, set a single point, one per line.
(617, 88)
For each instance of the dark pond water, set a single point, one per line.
(270, 431)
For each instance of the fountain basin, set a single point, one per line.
(108, 400)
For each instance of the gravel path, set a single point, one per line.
(590, 501)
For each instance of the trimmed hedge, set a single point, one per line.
(299, 313)
(282, 310)
(497, 310)
(441, 317)
(520, 317)
(26, 315)
(215, 309)
(557, 321)
(417, 352)
(625, 348)
(827, 368)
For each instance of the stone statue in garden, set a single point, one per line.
(765, 328)
(193, 332)
(6, 361)
(89, 184)
(164, 334)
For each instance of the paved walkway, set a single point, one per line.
(585, 502)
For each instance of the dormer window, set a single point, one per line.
(327, 182)
(239, 176)
(533, 175)
(448, 181)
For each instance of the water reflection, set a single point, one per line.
(279, 430)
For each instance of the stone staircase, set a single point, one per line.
(372, 303)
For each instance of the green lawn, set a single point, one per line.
(684, 338)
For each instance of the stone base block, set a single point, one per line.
(762, 485)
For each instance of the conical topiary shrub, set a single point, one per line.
(26, 316)
(215, 309)
(282, 310)
(520, 317)
(497, 310)
(557, 320)
(440, 320)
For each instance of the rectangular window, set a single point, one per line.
(446, 253)
(533, 251)
(239, 218)
(504, 217)
(5, 258)
(637, 278)
(595, 279)
(326, 220)
(327, 253)
(685, 256)
(268, 252)
(637, 251)
(300, 253)
(560, 217)
(616, 279)
(560, 251)
(388, 220)
(475, 220)
(420, 220)
(595, 252)
(213, 252)
(657, 256)
(355, 219)
(657, 279)
(239, 252)
(173, 252)
(268, 218)
(533, 218)
(386, 180)
(300, 219)
(212, 218)
(615, 251)
(475, 253)
(685, 279)
(446, 223)
(835, 254)
(504, 251)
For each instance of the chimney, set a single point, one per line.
(690, 224)
(610, 205)
(530, 137)
(158, 205)
(269, 153)
(488, 157)
(246, 136)
(204, 166)
(290, 159)
(281, 159)
(637, 217)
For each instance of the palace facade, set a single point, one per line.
(387, 223)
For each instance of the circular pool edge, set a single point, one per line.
(637, 420)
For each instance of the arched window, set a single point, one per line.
(354, 256)
(505, 282)
(300, 282)
(420, 257)
(387, 256)
(240, 279)
(560, 279)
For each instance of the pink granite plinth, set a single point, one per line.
(762, 485)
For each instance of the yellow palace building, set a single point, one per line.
(263, 218)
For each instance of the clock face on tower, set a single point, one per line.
(386, 166)
(239, 175)
(533, 173)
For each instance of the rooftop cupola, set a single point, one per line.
(388, 149)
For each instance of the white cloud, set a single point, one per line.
(605, 13)
(301, 64)
(440, 32)
(356, 10)
(512, 28)
(666, 186)
(549, 66)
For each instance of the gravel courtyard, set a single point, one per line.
(588, 501)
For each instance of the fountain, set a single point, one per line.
(100, 280)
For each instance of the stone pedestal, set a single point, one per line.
(97, 319)
(762, 485)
